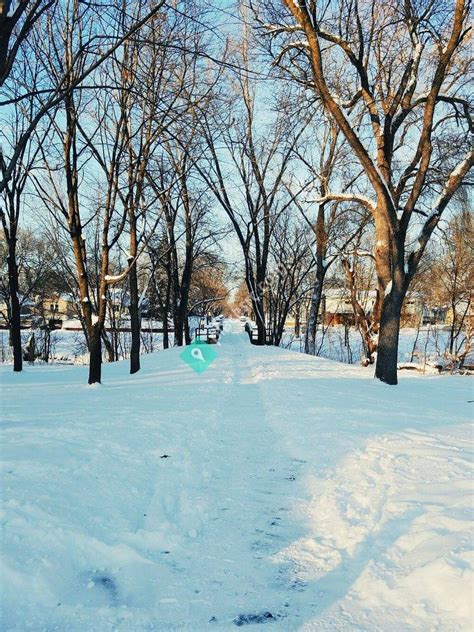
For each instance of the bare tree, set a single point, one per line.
(450, 280)
(11, 204)
(365, 310)
(36, 274)
(27, 30)
(71, 125)
(30, 31)
(334, 224)
(16, 21)
(252, 191)
(291, 261)
(157, 71)
(189, 233)
(394, 80)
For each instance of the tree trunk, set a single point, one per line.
(110, 347)
(134, 321)
(453, 328)
(187, 333)
(166, 333)
(297, 321)
(178, 330)
(182, 308)
(182, 335)
(392, 287)
(367, 323)
(166, 307)
(278, 331)
(261, 329)
(46, 343)
(256, 296)
(312, 324)
(15, 318)
(95, 358)
(321, 269)
(387, 353)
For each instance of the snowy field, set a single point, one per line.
(274, 488)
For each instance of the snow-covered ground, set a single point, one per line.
(274, 488)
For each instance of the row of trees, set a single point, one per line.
(145, 141)
(394, 80)
(441, 292)
(442, 287)
(110, 159)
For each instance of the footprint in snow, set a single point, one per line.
(262, 617)
(103, 582)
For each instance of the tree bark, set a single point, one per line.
(387, 353)
(321, 269)
(297, 321)
(164, 317)
(95, 358)
(15, 318)
(393, 283)
(255, 286)
(187, 333)
(261, 328)
(110, 347)
(312, 324)
(135, 325)
(256, 297)
(178, 330)
(453, 327)
(182, 335)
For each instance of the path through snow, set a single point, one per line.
(274, 488)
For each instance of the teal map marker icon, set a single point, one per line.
(199, 356)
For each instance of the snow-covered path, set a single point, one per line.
(273, 488)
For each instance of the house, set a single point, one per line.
(58, 306)
(337, 308)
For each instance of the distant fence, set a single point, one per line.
(207, 334)
(253, 334)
